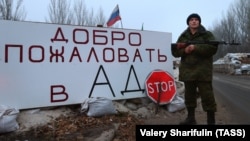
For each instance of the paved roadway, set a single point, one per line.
(233, 91)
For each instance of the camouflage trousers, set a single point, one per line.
(204, 89)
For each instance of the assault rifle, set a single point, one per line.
(211, 42)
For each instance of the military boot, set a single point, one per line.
(190, 120)
(210, 118)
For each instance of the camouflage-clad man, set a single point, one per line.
(196, 68)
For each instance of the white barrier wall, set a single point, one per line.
(49, 64)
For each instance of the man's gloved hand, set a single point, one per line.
(181, 45)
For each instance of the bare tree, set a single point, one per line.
(90, 19)
(234, 26)
(218, 32)
(8, 12)
(80, 13)
(83, 17)
(59, 12)
(100, 18)
(241, 11)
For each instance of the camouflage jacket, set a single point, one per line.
(198, 65)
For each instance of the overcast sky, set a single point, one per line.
(157, 15)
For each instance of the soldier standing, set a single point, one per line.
(196, 68)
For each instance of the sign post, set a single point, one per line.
(160, 87)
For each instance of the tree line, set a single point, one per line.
(233, 27)
(60, 12)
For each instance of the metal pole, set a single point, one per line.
(159, 99)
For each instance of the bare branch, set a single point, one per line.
(9, 13)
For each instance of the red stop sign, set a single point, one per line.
(160, 87)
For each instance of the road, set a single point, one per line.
(233, 91)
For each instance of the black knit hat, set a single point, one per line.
(194, 15)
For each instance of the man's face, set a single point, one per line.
(194, 23)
